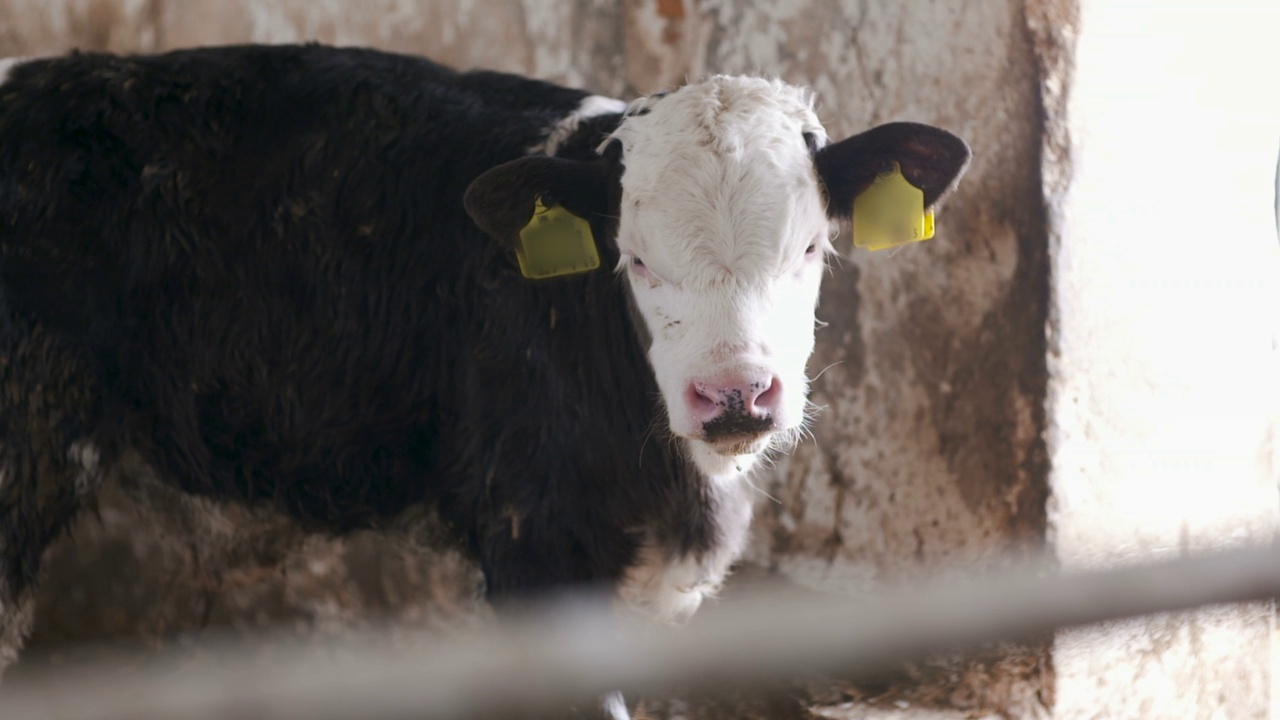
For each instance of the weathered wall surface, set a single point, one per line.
(932, 368)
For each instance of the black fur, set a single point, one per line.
(252, 266)
(931, 158)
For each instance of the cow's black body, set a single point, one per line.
(252, 268)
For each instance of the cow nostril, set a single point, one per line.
(767, 399)
(702, 401)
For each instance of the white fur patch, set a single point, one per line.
(721, 204)
(670, 589)
(16, 619)
(8, 64)
(615, 708)
(85, 456)
(591, 106)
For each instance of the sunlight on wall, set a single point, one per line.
(1165, 391)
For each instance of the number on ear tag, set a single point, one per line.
(890, 213)
(556, 242)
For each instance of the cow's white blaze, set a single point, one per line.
(723, 229)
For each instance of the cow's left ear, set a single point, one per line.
(501, 200)
(932, 159)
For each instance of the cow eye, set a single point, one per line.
(638, 267)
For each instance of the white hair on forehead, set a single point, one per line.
(722, 104)
(724, 165)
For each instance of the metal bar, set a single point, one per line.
(576, 649)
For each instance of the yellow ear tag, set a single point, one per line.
(556, 242)
(890, 213)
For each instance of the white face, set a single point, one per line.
(723, 232)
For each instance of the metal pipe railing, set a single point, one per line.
(576, 648)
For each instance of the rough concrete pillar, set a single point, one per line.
(1164, 391)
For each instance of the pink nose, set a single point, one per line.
(740, 396)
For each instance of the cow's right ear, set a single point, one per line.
(501, 201)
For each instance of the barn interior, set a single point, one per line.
(1082, 365)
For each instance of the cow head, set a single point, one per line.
(726, 196)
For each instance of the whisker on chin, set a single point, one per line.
(823, 370)
(759, 489)
(653, 428)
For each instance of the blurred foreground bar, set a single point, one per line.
(573, 649)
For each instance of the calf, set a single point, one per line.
(289, 277)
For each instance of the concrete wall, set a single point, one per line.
(933, 369)
(1164, 345)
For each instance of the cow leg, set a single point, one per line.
(48, 467)
(522, 558)
(614, 707)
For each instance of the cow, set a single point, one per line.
(290, 277)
